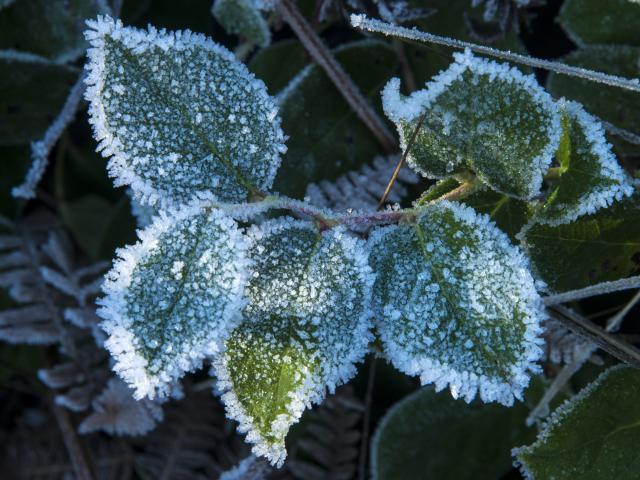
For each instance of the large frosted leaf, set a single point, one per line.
(483, 116)
(593, 436)
(590, 177)
(179, 115)
(306, 324)
(431, 436)
(455, 303)
(594, 248)
(173, 297)
(241, 17)
(597, 22)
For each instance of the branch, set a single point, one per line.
(593, 290)
(364, 23)
(349, 90)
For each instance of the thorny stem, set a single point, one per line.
(349, 90)
(366, 421)
(402, 160)
(78, 459)
(593, 290)
(372, 25)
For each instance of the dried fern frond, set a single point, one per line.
(329, 448)
(562, 346)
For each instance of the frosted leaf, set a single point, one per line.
(306, 324)
(242, 18)
(483, 116)
(116, 412)
(179, 115)
(590, 176)
(173, 297)
(455, 304)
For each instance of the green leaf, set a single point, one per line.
(455, 303)
(306, 324)
(242, 18)
(172, 298)
(31, 95)
(277, 64)
(592, 436)
(51, 28)
(616, 106)
(509, 214)
(594, 248)
(483, 116)
(590, 177)
(431, 436)
(179, 115)
(327, 138)
(594, 21)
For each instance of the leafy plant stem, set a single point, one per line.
(343, 82)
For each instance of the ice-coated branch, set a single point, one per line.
(593, 290)
(345, 85)
(626, 135)
(377, 26)
(40, 149)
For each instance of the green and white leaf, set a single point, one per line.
(455, 304)
(306, 324)
(597, 22)
(241, 17)
(172, 298)
(179, 115)
(483, 116)
(590, 177)
(593, 436)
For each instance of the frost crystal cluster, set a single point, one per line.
(285, 307)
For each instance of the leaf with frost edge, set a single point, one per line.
(313, 390)
(460, 383)
(109, 144)
(411, 107)
(129, 363)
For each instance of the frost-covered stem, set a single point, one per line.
(614, 322)
(79, 461)
(378, 26)
(609, 343)
(467, 187)
(593, 290)
(366, 421)
(349, 90)
(626, 135)
(403, 158)
(40, 149)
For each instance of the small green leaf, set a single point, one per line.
(483, 116)
(26, 108)
(172, 298)
(327, 138)
(590, 177)
(242, 18)
(277, 64)
(431, 436)
(509, 214)
(614, 105)
(455, 303)
(51, 28)
(593, 436)
(306, 324)
(179, 115)
(594, 21)
(594, 248)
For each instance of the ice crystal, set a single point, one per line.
(179, 115)
(243, 18)
(483, 116)
(455, 304)
(306, 324)
(172, 297)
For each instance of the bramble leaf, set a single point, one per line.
(483, 116)
(455, 303)
(306, 324)
(172, 298)
(179, 115)
(592, 436)
(593, 21)
(241, 17)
